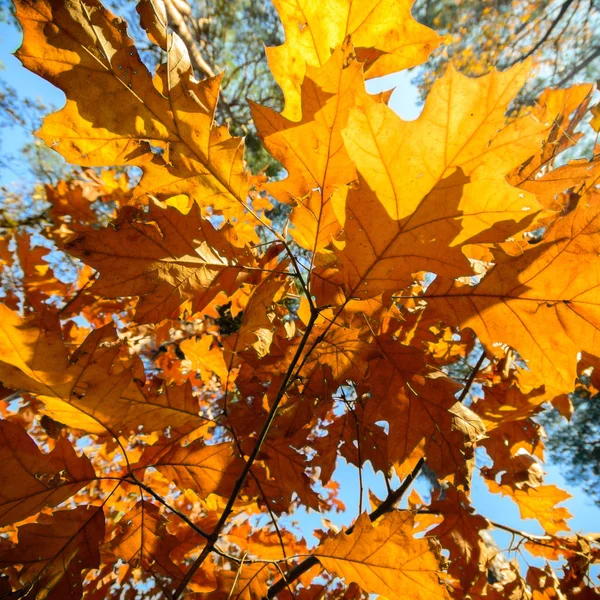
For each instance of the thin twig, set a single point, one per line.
(471, 378)
(91, 280)
(135, 481)
(254, 454)
(563, 9)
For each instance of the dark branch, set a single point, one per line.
(386, 506)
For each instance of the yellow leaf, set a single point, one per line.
(392, 40)
(312, 149)
(430, 186)
(117, 113)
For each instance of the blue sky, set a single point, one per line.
(404, 101)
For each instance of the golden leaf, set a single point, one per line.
(392, 40)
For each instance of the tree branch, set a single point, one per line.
(471, 377)
(563, 9)
(245, 472)
(579, 66)
(178, 24)
(386, 506)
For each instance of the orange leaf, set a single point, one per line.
(527, 302)
(31, 480)
(384, 558)
(142, 540)
(538, 503)
(95, 388)
(117, 113)
(55, 550)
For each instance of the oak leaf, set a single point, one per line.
(54, 551)
(31, 480)
(93, 388)
(423, 415)
(384, 558)
(163, 124)
(207, 469)
(141, 540)
(460, 533)
(538, 503)
(312, 149)
(450, 189)
(527, 302)
(165, 257)
(392, 40)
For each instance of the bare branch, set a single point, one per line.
(178, 24)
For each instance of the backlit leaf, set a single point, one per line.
(384, 558)
(55, 550)
(31, 480)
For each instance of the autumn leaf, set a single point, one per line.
(164, 123)
(165, 258)
(392, 40)
(33, 480)
(246, 582)
(527, 303)
(460, 533)
(384, 558)
(286, 476)
(538, 503)
(190, 353)
(91, 389)
(312, 150)
(450, 191)
(141, 540)
(263, 543)
(54, 551)
(258, 315)
(422, 412)
(206, 469)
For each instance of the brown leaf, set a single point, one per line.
(31, 480)
(205, 469)
(141, 539)
(166, 258)
(460, 533)
(55, 550)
